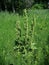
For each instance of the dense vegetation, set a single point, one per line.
(16, 5)
(24, 40)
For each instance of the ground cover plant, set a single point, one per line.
(24, 39)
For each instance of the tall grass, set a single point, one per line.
(24, 39)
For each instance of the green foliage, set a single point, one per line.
(20, 5)
(38, 6)
(24, 39)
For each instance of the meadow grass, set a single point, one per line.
(8, 35)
